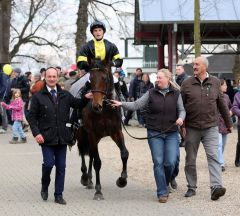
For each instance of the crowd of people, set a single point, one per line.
(173, 112)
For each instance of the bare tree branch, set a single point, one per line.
(31, 57)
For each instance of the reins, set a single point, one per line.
(149, 137)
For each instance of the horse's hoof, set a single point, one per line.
(121, 182)
(89, 186)
(98, 196)
(84, 180)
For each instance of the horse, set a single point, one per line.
(100, 119)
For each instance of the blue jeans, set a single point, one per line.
(221, 146)
(3, 114)
(164, 155)
(176, 169)
(17, 129)
(54, 155)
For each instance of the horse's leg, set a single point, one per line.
(84, 177)
(119, 140)
(83, 147)
(90, 183)
(97, 166)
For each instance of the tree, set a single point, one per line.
(5, 17)
(95, 9)
(31, 25)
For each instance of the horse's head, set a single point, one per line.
(101, 84)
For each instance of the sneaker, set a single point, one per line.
(217, 192)
(2, 131)
(23, 140)
(14, 140)
(163, 199)
(223, 169)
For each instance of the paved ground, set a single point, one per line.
(20, 170)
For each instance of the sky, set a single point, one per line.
(64, 20)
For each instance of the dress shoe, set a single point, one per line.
(173, 184)
(60, 200)
(163, 199)
(44, 193)
(217, 192)
(190, 193)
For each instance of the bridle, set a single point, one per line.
(108, 90)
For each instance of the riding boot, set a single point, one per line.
(118, 91)
(120, 97)
(84, 90)
(237, 158)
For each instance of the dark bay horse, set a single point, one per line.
(100, 120)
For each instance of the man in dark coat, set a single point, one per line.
(134, 93)
(181, 75)
(49, 122)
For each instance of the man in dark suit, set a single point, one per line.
(49, 122)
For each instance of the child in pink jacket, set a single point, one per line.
(17, 108)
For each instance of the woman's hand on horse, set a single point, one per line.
(39, 138)
(179, 122)
(116, 103)
(89, 95)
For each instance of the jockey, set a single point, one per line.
(100, 49)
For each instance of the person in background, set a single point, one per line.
(21, 82)
(222, 128)
(134, 93)
(38, 84)
(145, 86)
(181, 75)
(230, 90)
(5, 94)
(17, 107)
(42, 72)
(236, 110)
(203, 100)
(119, 74)
(29, 75)
(61, 77)
(72, 78)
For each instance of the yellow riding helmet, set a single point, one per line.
(7, 69)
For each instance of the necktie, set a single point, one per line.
(54, 96)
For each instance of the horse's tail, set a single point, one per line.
(83, 143)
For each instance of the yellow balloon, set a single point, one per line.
(7, 69)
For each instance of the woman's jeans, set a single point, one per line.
(164, 155)
(221, 146)
(17, 129)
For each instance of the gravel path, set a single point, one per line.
(140, 170)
